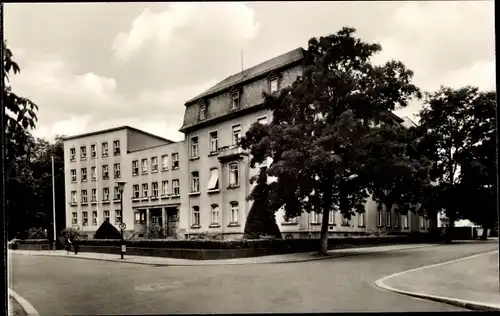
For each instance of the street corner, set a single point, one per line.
(18, 306)
(467, 282)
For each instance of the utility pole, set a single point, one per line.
(53, 203)
(498, 178)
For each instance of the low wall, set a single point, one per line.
(213, 250)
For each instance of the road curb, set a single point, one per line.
(471, 305)
(333, 256)
(28, 308)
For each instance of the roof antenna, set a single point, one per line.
(242, 62)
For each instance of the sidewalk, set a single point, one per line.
(159, 261)
(470, 282)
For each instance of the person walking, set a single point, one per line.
(68, 245)
(76, 244)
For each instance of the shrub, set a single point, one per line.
(107, 231)
(37, 233)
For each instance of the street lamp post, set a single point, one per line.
(123, 226)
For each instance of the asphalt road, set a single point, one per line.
(57, 285)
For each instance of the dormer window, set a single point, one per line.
(203, 111)
(273, 85)
(235, 100)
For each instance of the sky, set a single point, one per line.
(92, 66)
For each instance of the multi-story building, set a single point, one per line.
(205, 190)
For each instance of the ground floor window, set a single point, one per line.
(74, 219)
(379, 219)
(118, 216)
(361, 219)
(234, 213)
(196, 216)
(214, 218)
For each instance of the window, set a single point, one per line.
(74, 218)
(93, 173)
(106, 215)
(144, 166)
(233, 175)
(116, 168)
(314, 218)
(84, 196)
(164, 187)
(144, 190)
(331, 217)
(93, 151)
(135, 167)
(361, 219)
(85, 218)
(118, 216)
(396, 219)
(262, 120)
(196, 216)
(154, 164)
(94, 195)
(105, 194)
(422, 222)
(105, 174)
(94, 218)
(194, 147)
(203, 111)
(116, 194)
(427, 223)
(175, 161)
(405, 221)
(345, 220)
(236, 134)
(164, 162)
(175, 187)
(73, 175)
(195, 181)
(213, 182)
(214, 215)
(104, 146)
(116, 147)
(234, 213)
(235, 100)
(155, 189)
(72, 154)
(273, 85)
(388, 219)
(84, 174)
(83, 152)
(379, 219)
(135, 189)
(73, 197)
(213, 142)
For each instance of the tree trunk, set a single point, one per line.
(324, 232)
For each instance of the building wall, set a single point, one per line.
(99, 183)
(206, 162)
(137, 141)
(161, 175)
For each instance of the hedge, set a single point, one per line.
(297, 244)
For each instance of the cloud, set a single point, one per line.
(181, 25)
(93, 102)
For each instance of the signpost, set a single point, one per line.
(123, 249)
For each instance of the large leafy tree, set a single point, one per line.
(478, 165)
(319, 133)
(456, 133)
(397, 172)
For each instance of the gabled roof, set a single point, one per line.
(252, 72)
(109, 130)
